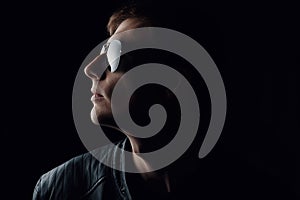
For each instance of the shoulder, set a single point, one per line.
(75, 177)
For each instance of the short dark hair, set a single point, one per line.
(127, 12)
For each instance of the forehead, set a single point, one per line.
(128, 24)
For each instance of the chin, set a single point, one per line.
(101, 117)
(94, 116)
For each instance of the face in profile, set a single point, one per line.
(103, 85)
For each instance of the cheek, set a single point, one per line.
(112, 83)
(120, 107)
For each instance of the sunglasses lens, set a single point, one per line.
(113, 54)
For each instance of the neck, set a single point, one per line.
(139, 146)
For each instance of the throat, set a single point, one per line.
(146, 186)
(154, 180)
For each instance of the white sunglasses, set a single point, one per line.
(113, 54)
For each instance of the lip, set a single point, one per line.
(97, 97)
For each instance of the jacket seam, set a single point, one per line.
(93, 187)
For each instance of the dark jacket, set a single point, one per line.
(85, 177)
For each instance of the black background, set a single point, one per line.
(44, 44)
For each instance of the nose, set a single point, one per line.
(97, 68)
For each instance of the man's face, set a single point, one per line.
(103, 86)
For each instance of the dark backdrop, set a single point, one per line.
(43, 47)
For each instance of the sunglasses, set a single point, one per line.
(112, 50)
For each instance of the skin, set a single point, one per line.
(101, 112)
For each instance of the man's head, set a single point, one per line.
(104, 83)
(126, 19)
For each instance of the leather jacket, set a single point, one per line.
(85, 177)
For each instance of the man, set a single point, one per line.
(85, 177)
